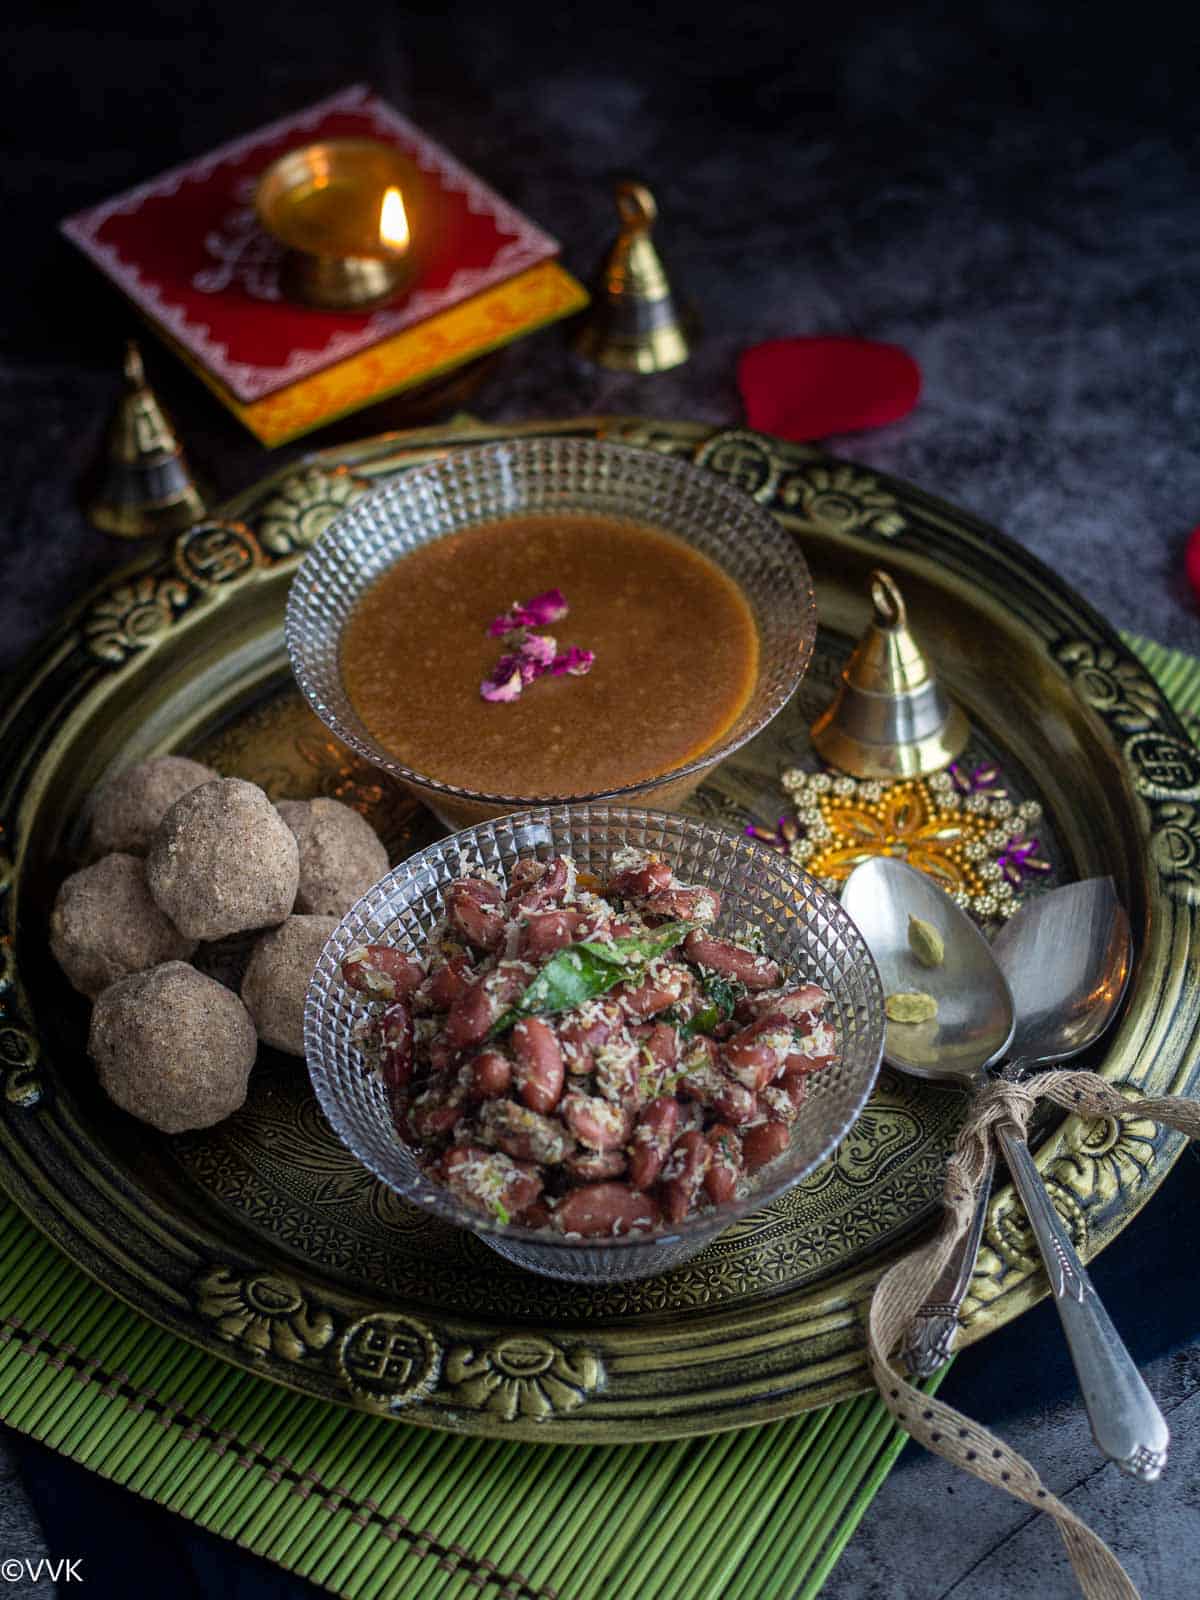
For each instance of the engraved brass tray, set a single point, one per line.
(263, 1241)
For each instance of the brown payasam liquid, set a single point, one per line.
(675, 644)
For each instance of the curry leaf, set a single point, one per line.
(582, 971)
(723, 995)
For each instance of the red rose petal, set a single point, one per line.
(1191, 560)
(811, 388)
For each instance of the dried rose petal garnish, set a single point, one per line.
(539, 650)
(575, 661)
(535, 613)
(531, 655)
(505, 682)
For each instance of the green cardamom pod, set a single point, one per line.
(911, 1007)
(925, 942)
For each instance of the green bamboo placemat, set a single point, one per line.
(369, 1508)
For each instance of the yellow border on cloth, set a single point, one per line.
(542, 295)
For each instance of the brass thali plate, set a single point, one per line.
(263, 1241)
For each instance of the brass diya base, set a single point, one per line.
(341, 283)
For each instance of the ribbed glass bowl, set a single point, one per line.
(806, 930)
(537, 476)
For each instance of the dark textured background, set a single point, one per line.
(1009, 191)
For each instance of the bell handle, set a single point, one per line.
(636, 206)
(890, 611)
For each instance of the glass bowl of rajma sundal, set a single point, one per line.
(734, 892)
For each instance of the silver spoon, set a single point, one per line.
(1066, 956)
(973, 1029)
(1068, 964)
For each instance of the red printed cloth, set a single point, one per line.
(187, 248)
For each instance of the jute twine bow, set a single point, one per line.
(905, 1287)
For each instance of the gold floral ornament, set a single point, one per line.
(522, 1375)
(298, 514)
(841, 498)
(973, 844)
(264, 1313)
(1104, 1159)
(132, 616)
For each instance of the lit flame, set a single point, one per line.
(393, 221)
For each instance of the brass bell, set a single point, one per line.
(634, 324)
(143, 485)
(890, 718)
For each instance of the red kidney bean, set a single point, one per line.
(731, 961)
(796, 1064)
(396, 1044)
(818, 1048)
(546, 888)
(548, 931)
(438, 1110)
(483, 1000)
(699, 1078)
(595, 1122)
(525, 873)
(751, 1063)
(472, 1171)
(491, 1074)
(383, 972)
(763, 1142)
(442, 1054)
(537, 1215)
(652, 1138)
(683, 1174)
(733, 1102)
(448, 982)
(725, 1166)
(663, 1044)
(538, 1070)
(471, 1015)
(796, 1089)
(595, 1166)
(606, 1208)
(799, 1006)
(475, 911)
(660, 988)
(683, 905)
(635, 883)
(587, 1031)
(618, 1067)
(778, 1105)
(659, 1055)
(755, 1055)
(523, 1133)
(691, 1115)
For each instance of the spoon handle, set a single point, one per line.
(931, 1337)
(1126, 1423)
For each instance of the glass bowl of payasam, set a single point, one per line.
(672, 619)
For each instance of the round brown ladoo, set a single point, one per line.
(126, 810)
(277, 979)
(223, 860)
(341, 855)
(172, 1047)
(105, 925)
